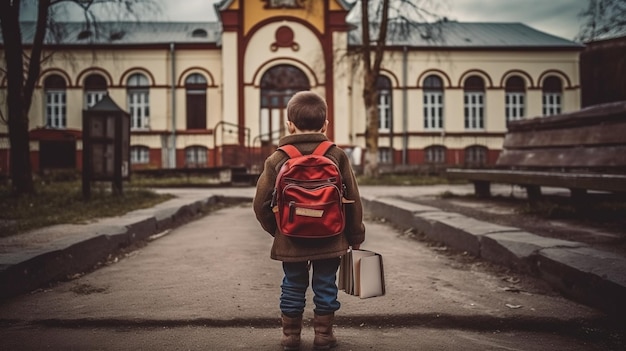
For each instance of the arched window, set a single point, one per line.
(385, 104)
(552, 95)
(474, 102)
(196, 156)
(139, 154)
(475, 155)
(514, 98)
(199, 33)
(278, 85)
(138, 95)
(436, 154)
(195, 87)
(433, 102)
(95, 89)
(55, 90)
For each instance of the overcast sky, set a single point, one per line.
(557, 17)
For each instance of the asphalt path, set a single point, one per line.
(210, 285)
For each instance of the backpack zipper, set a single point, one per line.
(292, 210)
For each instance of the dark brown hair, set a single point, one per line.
(307, 110)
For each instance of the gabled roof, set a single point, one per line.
(452, 34)
(125, 33)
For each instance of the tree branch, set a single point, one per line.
(382, 37)
(34, 66)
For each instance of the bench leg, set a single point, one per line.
(482, 188)
(533, 192)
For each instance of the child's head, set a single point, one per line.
(307, 111)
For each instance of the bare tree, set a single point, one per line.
(603, 19)
(23, 66)
(380, 21)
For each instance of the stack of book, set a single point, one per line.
(361, 274)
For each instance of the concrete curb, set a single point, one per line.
(590, 276)
(28, 270)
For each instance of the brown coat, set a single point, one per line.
(295, 250)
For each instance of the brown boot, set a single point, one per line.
(291, 332)
(324, 337)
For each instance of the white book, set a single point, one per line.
(361, 274)
(371, 279)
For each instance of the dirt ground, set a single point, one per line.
(600, 222)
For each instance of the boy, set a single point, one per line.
(307, 123)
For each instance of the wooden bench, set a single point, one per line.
(580, 151)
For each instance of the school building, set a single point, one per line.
(214, 93)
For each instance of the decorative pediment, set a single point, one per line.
(284, 4)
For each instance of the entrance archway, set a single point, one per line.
(278, 85)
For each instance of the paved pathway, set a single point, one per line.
(210, 284)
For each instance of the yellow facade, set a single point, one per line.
(256, 12)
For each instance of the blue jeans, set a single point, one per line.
(296, 282)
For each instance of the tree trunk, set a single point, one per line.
(21, 172)
(370, 92)
(370, 100)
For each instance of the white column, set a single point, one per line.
(230, 88)
(342, 76)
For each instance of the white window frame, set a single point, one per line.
(474, 102)
(436, 154)
(433, 110)
(139, 155)
(196, 78)
(138, 100)
(196, 156)
(56, 109)
(552, 103)
(139, 107)
(384, 110)
(515, 106)
(93, 96)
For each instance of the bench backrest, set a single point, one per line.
(593, 138)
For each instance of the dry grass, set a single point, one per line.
(62, 202)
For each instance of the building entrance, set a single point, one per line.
(278, 85)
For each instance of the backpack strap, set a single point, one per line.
(323, 147)
(290, 150)
(320, 150)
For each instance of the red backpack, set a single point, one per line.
(308, 197)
